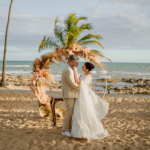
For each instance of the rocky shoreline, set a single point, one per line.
(134, 81)
(139, 86)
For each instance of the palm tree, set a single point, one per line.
(5, 47)
(70, 34)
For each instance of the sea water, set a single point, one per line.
(112, 70)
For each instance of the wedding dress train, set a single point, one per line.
(89, 109)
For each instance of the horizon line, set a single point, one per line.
(79, 61)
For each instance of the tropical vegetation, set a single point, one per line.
(68, 39)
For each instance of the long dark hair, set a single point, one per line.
(89, 66)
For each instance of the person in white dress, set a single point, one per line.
(89, 108)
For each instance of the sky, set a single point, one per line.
(123, 24)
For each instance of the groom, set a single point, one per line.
(69, 92)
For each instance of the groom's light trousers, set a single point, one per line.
(67, 122)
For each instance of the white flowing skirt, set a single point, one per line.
(89, 109)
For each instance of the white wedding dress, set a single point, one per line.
(89, 109)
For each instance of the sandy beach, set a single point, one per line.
(23, 82)
(23, 129)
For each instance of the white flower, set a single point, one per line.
(34, 82)
(41, 79)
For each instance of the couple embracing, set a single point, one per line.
(84, 109)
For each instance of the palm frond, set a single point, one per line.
(60, 35)
(62, 38)
(56, 21)
(82, 28)
(66, 42)
(58, 31)
(69, 21)
(89, 36)
(98, 53)
(80, 18)
(55, 29)
(49, 42)
(41, 44)
(92, 42)
(87, 26)
(71, 38)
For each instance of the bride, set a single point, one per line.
(89, 108)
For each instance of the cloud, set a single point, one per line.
(26, 30)
(25, 34)
(138, 3)
(124, 25)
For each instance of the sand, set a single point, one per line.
(23, 82)
(21, 127)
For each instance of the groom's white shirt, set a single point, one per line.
(69, 87)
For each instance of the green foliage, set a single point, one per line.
(65, 36)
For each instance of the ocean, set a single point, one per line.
(113, 70)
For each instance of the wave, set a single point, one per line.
(17, 65)
(104, 71)
(135, 73)
(20, 72)
(105, 77)
(57, 76)
(145, 67)
(93, 72)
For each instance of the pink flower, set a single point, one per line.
(60, 49)
(40, 73)
(88, 48)
(70, 52)
(77, 50)
(85, 52)
(79, 46)
(34, 82)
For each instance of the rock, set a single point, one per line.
(110, 86)
(117, 88)
(17, 84)
(145, 92)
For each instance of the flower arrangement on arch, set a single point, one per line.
(66, 42)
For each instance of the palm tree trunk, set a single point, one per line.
(5, 46)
